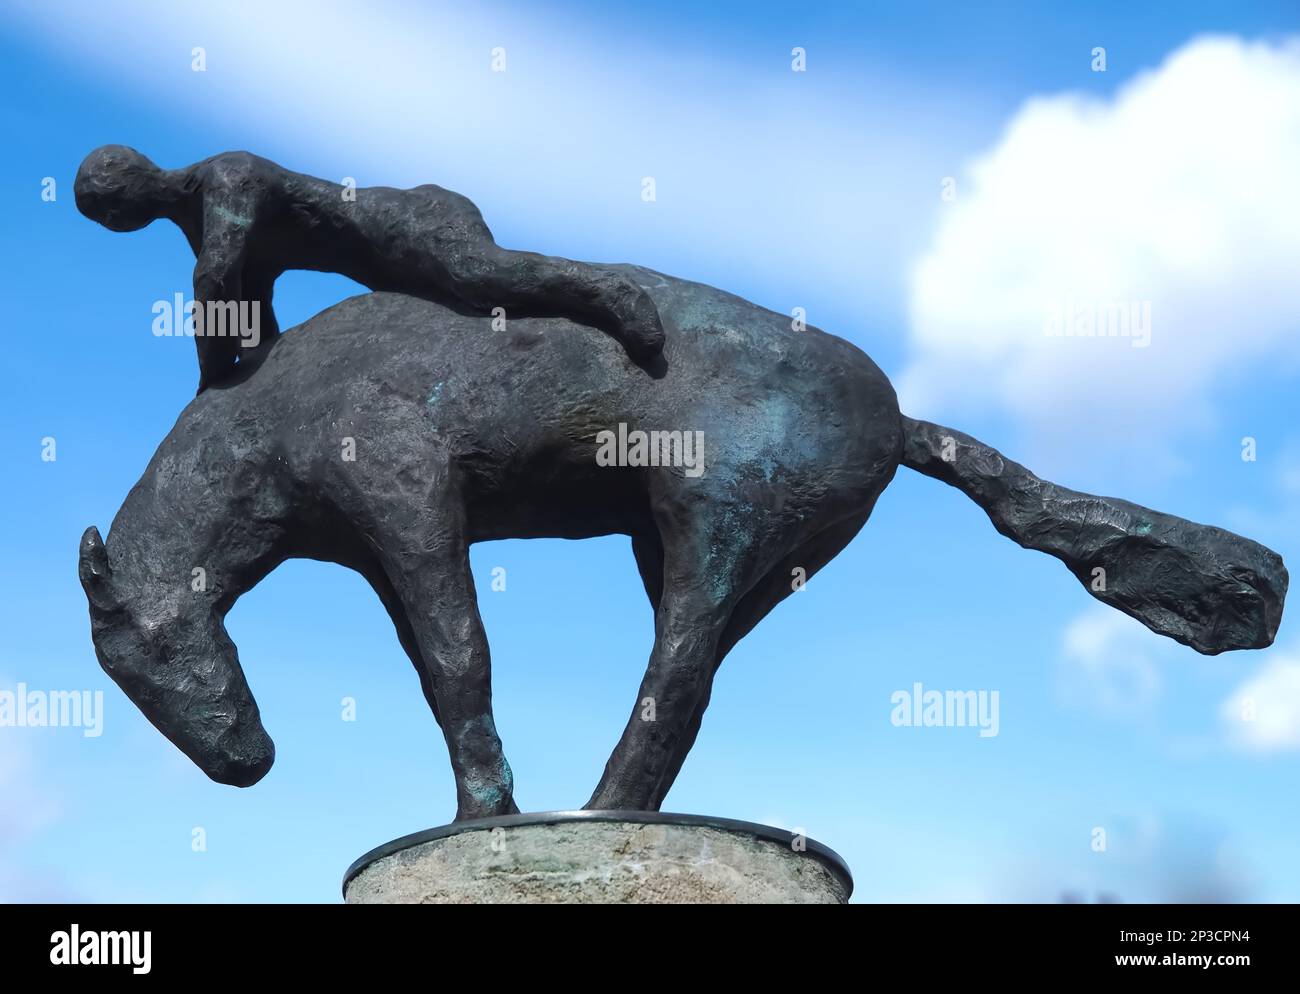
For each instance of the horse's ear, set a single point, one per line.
(95, 572)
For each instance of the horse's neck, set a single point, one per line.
(201, 520)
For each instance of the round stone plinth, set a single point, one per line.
(600, 857)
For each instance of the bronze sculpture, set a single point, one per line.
(248, 220)
(463, 431)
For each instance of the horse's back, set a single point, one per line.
(522, 403)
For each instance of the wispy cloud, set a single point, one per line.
(1148, 856)
(28, 808)
(1263, 714)
(801, 179)
(1108, 663)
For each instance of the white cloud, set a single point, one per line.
(1108, 664)
(1181, 191)
(1263, 714)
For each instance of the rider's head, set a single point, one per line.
(120, 188)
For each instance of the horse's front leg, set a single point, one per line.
(426, 557)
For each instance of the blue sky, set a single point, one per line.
(1167, 179)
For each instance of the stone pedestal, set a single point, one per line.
(600, 857)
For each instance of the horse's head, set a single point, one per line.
(173, 658)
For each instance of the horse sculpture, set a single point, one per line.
(462, 431)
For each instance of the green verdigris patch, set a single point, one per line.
(232, 217)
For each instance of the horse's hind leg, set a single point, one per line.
(765, 595)
(425, 555)
(708, 561)
(649, 553)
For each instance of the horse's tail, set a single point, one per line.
(1203, 586)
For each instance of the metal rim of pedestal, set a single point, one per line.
(834, 862)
